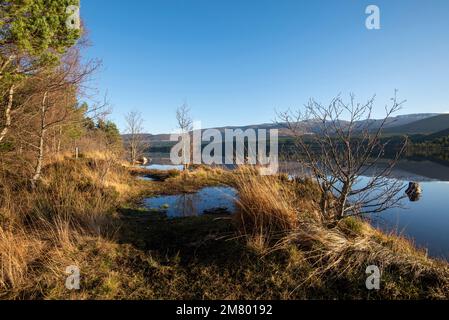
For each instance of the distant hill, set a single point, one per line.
(410, 124)
(440, 138)
(402, 120)
(424, 126)
(439, 134)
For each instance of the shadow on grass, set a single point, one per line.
(200, 258)
(207, 239)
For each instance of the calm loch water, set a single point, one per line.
(425, 222)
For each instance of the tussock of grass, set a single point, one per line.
(266, 208)
(271, 215)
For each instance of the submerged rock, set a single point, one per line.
(143, 161)
(413, 191)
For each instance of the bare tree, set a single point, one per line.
(338, 153)
(52, 93)
(8, 110)
(136, 142)
(185, 123)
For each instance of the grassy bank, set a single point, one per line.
(87, 213)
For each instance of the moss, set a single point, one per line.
(351, 226)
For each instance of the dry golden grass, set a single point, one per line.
(269, 208)
(273, 214)
(41, 228)
(70, 220)
(265, 206)
(18, 249)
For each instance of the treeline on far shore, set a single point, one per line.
(435, 145)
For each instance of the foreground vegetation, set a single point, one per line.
(274, 247)
(68, 198)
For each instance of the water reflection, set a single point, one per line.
(425, 222)
(405, 170)
(425, 218)
(206, 201)
(145, 178)
(163, 167)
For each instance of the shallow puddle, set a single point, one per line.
(145, 178)
(163, 167)
(211, 200)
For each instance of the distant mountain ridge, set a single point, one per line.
(425, 126)
(409, 124)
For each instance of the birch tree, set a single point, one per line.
(185, 125)
(136, 142)
(345, 155)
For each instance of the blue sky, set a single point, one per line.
(236, 62)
